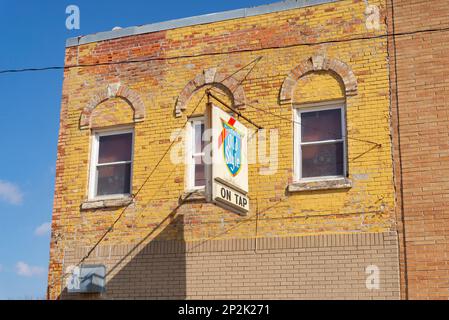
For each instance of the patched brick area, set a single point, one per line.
(319, 63)
(311, 267)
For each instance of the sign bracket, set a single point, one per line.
(210, 95)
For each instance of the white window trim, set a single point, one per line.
(190, 147)
(298, 139)
(94, 163)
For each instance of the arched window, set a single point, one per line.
(318, 89)
(111, 116)
(319, 128)
(191, 102)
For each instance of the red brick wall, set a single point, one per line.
(420, 131)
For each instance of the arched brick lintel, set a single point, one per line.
(318, 63)
(229, 85)
(113, 91)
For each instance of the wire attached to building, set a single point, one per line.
(134, 195)
(300, 123)
(359, 38)
(234, 110)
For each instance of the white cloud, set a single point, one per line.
(25, 270)
(10, 193)
(43, 229)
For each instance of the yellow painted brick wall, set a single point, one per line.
(366, 207)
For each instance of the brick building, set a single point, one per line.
(419, 64)
(322, 218)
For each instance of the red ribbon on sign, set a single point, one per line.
(222, 136)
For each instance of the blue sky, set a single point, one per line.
(33, 35)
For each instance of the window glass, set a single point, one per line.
(322, 160)
(200, 177)
(196, 165)
(320, 143)
(199, 131)
(113, 179)
(115, 148)
(321, 125)
(113, 167)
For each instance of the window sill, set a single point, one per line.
(316, 185)
(106, 203)
(193, 195)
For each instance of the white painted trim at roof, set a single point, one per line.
(195, 20)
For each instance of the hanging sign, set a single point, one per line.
(229, 169)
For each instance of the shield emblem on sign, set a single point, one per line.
(232, 147)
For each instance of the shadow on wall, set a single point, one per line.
(156, 270)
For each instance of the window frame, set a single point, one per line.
(190, 153)
(93, 172)
(298, 110)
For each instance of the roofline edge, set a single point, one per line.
(195, 20)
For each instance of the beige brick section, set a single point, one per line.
(309, 267)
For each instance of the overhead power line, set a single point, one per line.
(358, 38)
(170, 146)
(293, 121)
(134, 195)
(147, 179)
